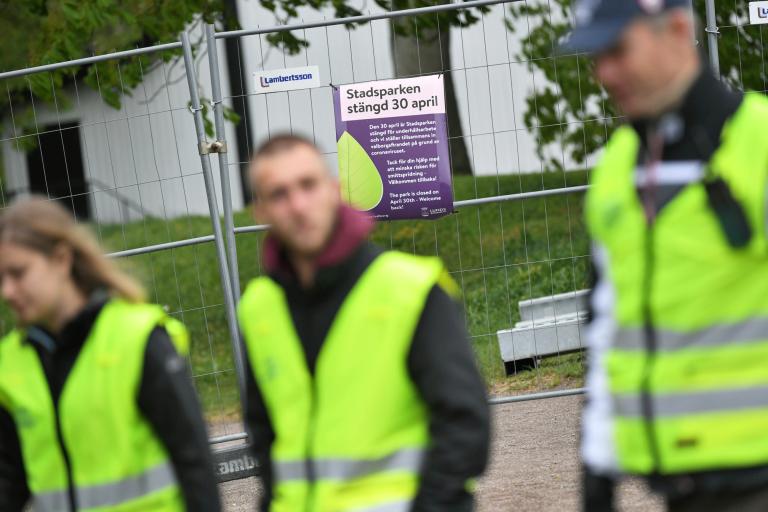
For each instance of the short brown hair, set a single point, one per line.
(281, 143)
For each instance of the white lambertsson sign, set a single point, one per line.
(291, 79)
(758, 13)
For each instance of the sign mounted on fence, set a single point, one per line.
(758, 13)
(291, 79)
(393, 147)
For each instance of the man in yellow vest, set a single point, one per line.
(362, 394)
(678, 379)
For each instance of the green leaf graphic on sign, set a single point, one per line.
(361, 184)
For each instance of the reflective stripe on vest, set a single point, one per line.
(750, 330)
(671, 173)
(395, 506)
(110, 494)
(345, 469)
(680, 404)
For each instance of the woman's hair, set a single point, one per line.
(42, 225)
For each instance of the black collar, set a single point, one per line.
(330, 277)
(699, 119)
(75, 332)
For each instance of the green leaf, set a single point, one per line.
(361, 184)
(231, 116)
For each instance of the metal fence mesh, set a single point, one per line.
(500, 253)
(130, 172)
(741, 47)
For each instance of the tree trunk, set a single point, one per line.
(238, 92)
(429, 51)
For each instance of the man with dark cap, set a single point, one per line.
(678, 374)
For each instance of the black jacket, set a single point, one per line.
(166, 399)
(440, 363)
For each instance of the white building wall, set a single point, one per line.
(14, 165)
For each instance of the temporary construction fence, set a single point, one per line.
(516, 242)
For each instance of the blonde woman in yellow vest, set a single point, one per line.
(677, 209)
(97, 411)
(362, 394)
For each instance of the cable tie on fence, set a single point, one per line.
(193, 109)
(335, 87)
(710, 30)
(214, 103)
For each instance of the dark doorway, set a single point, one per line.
(56, 168)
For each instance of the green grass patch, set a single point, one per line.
(560, 372)
(498, 253)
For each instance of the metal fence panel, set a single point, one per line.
(516, 244)
(740, 47)
(515, 235)
(132, 174)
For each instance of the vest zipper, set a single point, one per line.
(67, 461)
(34, 335)
(650, 346)
(310, 463)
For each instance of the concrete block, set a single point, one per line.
(543, 337)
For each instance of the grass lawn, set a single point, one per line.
(498, 253)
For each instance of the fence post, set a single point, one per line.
(221, 136)
(712, 34)
(213, 208)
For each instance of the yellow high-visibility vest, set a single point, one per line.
(117, 462)
(353, 436)
(688, 367)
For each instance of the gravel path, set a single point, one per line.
(534, 464)
(240, 495)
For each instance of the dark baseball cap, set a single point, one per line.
(600, 23)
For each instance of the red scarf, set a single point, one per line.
(352, 229)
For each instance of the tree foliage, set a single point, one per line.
(40, 32)
(287, 11)
(49, 31)
(569, 110)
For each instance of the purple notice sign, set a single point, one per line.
(393, 147)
